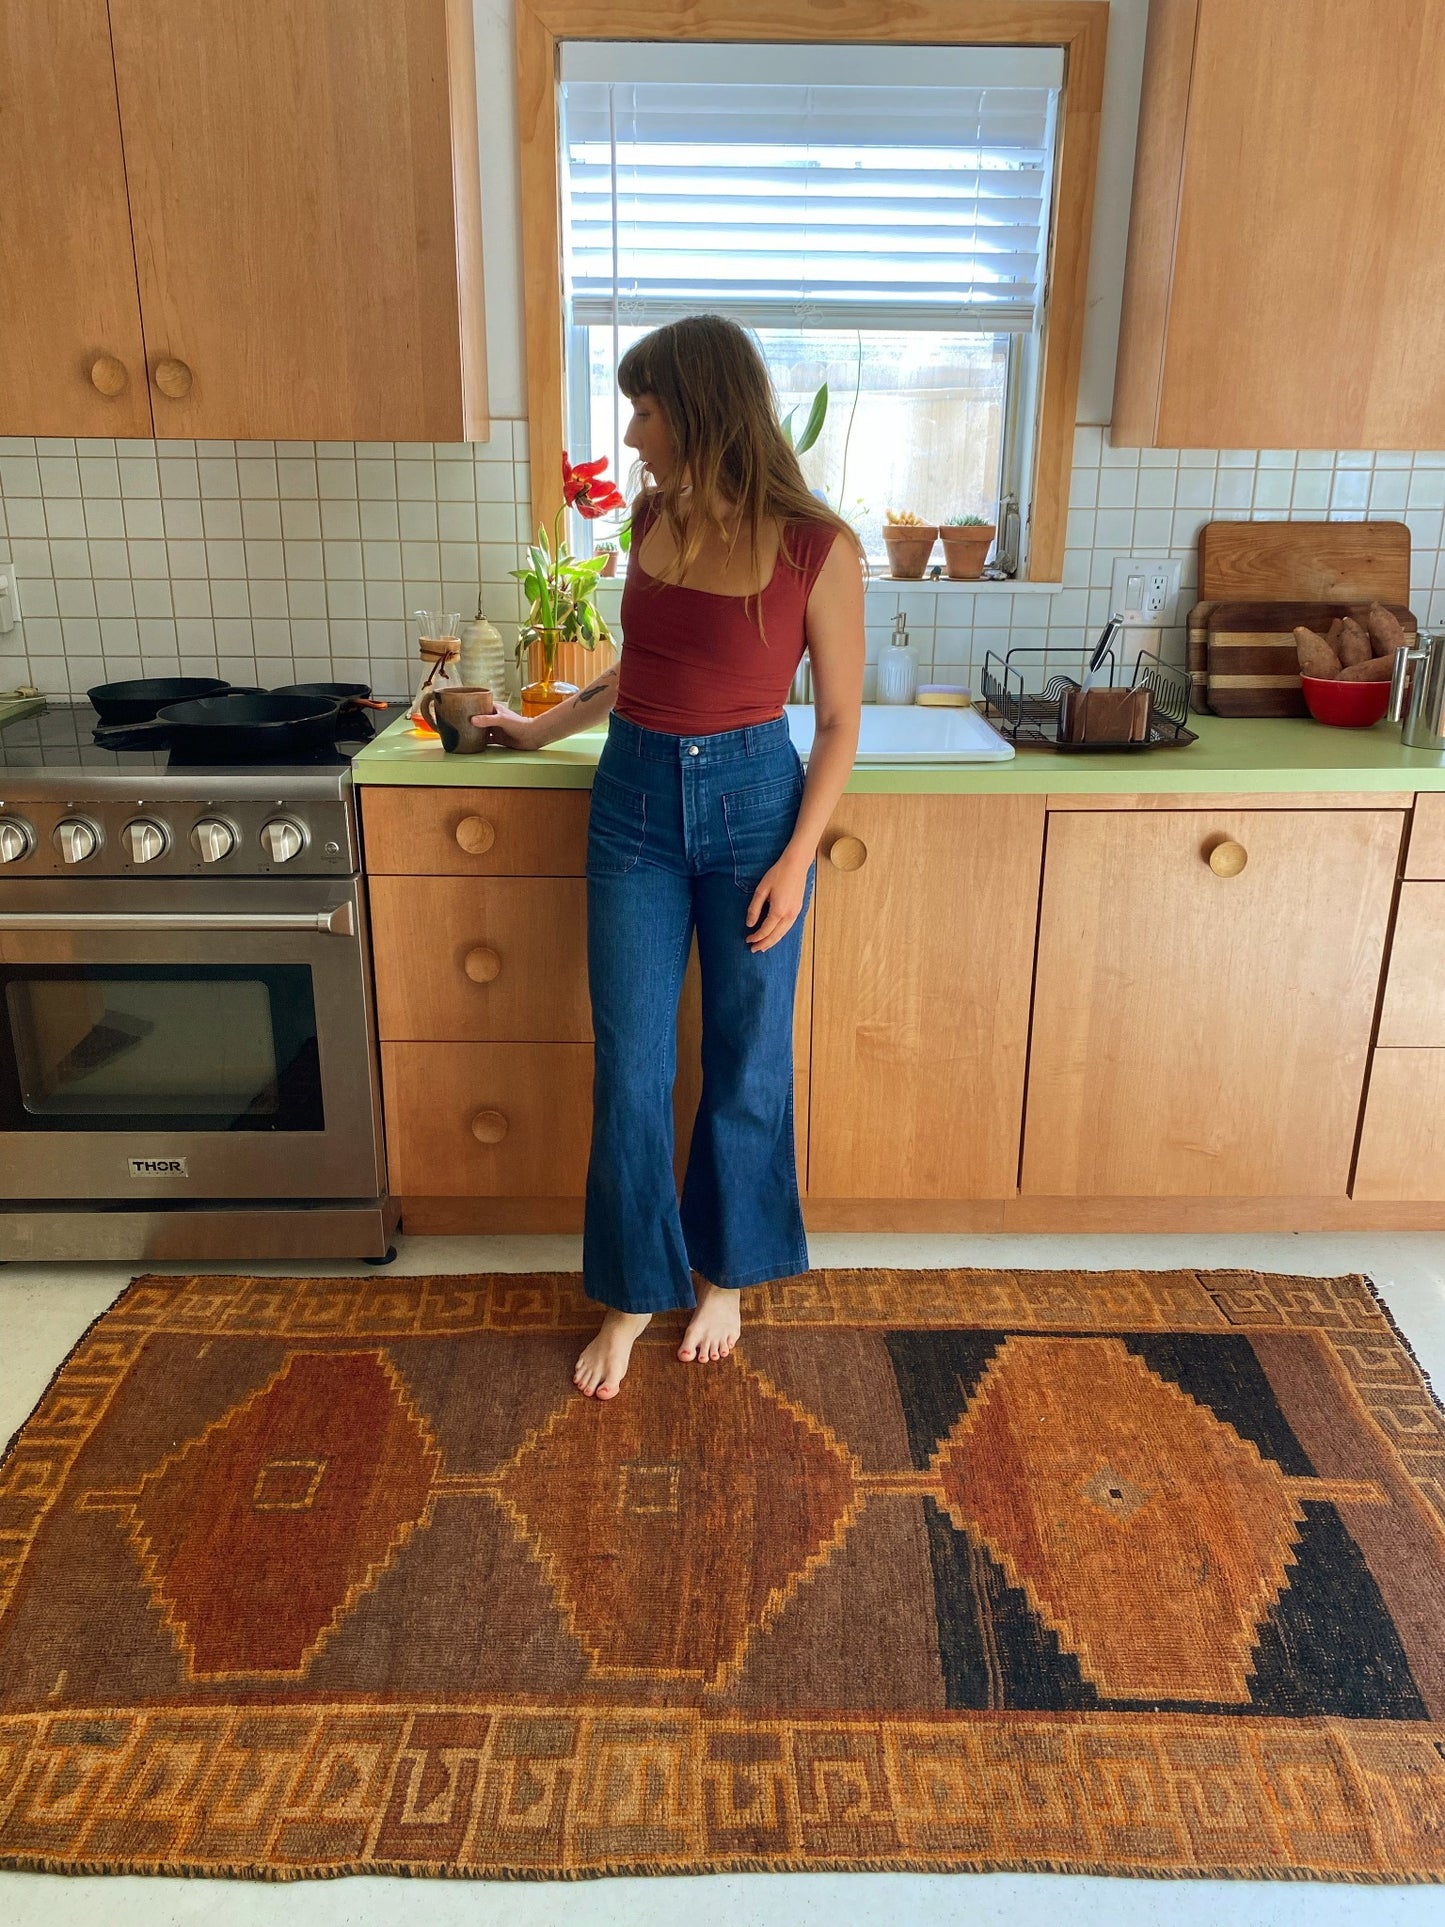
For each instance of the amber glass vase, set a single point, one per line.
(543, 691)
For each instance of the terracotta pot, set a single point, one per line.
(965, 550)
(909, 548)
(609, 567)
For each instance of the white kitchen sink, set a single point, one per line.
(903, 733)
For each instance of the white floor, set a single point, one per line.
(44, 1309)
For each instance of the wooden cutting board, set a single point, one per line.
(1342, 563)
(1304, 562)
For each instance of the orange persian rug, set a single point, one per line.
(1095, 1572)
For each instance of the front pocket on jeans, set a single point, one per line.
(759, 823)
(616, 827)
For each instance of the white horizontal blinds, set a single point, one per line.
(910, 192)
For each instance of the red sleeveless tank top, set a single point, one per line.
(695, 663)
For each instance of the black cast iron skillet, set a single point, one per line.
(138, 700)
(243, 726)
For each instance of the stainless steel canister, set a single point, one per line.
(1417, 693)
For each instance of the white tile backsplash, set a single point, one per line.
(293, 560)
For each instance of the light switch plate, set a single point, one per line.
(1146, 590)
(9, 598)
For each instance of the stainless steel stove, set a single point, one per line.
(188, 1063)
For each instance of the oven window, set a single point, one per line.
(167, 1046)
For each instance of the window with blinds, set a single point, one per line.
(879, 215)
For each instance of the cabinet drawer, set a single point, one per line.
(1426, 856)
(449, 832)
(484, 957)
(1414, 1009)
(1402, 1147)
(487, 1120)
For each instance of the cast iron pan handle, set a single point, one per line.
(153, 735)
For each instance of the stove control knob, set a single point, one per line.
(145, 840)
(282, 838)
(17, 839)
(76, 840)
(213, 838)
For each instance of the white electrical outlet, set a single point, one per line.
(1145, 592)
(9, 598)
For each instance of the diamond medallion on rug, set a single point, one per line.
(1108, 1572)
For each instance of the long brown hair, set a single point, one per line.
(717, 397)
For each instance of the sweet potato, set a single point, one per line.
(1377, 669)
(1354, 644)
(1316, 658)
(1385, 632)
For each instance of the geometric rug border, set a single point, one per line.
(1350, 1743)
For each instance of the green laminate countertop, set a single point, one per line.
(1242, 756)
(12, 708)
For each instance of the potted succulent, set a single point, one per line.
(966, 543)
(614, 545)
(909, 541)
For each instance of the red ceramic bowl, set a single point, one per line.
(1349, 705)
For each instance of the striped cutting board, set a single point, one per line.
(1251, 667)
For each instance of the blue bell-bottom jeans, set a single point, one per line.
(682, 829)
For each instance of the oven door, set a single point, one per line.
(187, 1041)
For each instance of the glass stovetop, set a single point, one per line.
(58, 740)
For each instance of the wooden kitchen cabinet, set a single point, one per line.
(926, 910)
(501, 957)
(414, 831)
(303, 224)
(1285, 273)
(70, 327)
(1402, 1145)
(1198, 1034)
(486, 1121)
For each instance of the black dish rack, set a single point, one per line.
(1024, 713)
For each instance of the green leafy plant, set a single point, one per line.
(801, 441)
(968, 522)
(561, 591)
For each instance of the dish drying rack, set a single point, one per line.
(1024, 713)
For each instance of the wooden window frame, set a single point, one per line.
(1080, 27)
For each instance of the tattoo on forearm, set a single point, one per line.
(597, 688)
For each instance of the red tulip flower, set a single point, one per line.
(585, 489)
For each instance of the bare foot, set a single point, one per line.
(714, 1327)
(602, 1365)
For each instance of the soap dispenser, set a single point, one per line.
(897, 667)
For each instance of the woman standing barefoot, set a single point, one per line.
(701, 820)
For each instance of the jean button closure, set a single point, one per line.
(692, 749)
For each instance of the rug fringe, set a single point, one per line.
(728, 1864)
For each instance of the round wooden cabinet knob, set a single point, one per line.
(108, 376)
(1228, 859)
(173, 378)
(476, 835)
(489, 1127)
(483, 966)
(848, 853)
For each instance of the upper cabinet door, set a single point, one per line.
(71, 359)
(305, 200)
(1286, 275)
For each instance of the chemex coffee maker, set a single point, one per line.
(1417, 693)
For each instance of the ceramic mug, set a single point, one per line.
(450, 712)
